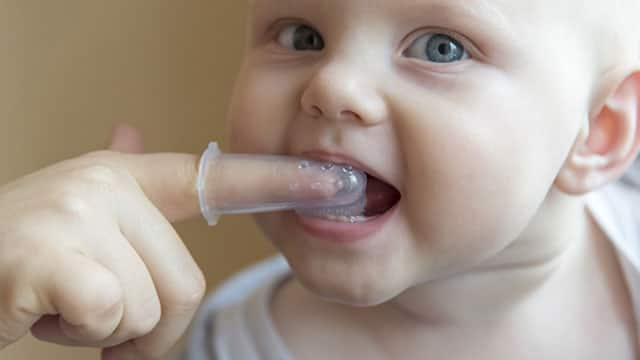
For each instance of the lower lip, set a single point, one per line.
(341, 232)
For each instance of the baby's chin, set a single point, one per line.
(366, 276)
(349, 284)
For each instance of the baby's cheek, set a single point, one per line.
(467, 195)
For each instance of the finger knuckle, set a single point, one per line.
(12, 300)
(98, 174)
(189, 295)
(13, 268)
(78, 197)
(18, 300)
(102, 295)
(143, 324)
(17, 294)
(69, 204)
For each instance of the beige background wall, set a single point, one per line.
(69, 69)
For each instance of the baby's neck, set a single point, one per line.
(529, 271)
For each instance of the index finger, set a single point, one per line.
(182, 185)
(168, 180)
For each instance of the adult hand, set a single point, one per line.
(88, 256)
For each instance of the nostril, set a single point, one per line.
(315, 110)
(350, 115)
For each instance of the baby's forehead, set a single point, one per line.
(515, 12)
(484, 8)
(503, 16)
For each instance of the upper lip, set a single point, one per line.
(338, 158)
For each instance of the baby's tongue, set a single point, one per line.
(380, 197)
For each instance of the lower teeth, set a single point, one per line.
(347, 219)
(351, 213)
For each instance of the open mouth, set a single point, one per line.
(379, 198)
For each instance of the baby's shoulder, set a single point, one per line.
(234, 321)
(616, 208)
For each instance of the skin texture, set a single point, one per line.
(88, 256)
(492, 155)
(490, 247)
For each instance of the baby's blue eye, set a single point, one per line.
(437, 48)
(300, 38)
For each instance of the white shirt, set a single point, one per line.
(235, 321)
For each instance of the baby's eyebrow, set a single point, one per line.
(488, 26)
(480, 12)
(473, 13)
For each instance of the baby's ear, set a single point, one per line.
(608, 145)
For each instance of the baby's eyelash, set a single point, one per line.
(277, 26)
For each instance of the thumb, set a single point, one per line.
(126, 139)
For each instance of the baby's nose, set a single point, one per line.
(344, 92)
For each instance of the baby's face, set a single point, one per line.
(466, 108)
